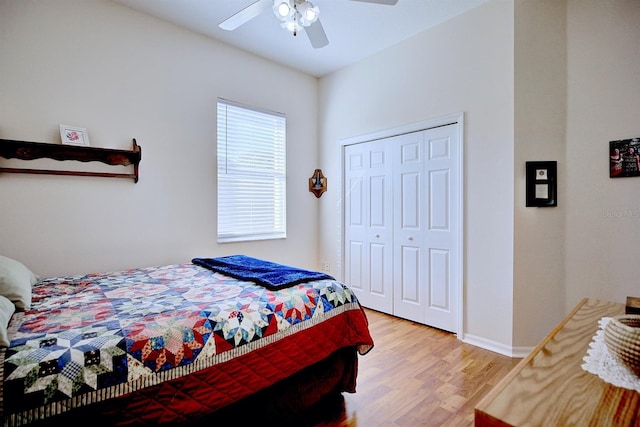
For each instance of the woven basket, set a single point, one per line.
(622, 337)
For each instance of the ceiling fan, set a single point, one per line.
(295, 15)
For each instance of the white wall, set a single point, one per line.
(603, 104)
(577, 75)
(462, 66)
(124, 75)
(540, 123)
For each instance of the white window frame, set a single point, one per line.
(251, 150)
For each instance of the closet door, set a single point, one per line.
(443, 246)
(368, 224)
(426, 249)
(402, 225)
(410, 268)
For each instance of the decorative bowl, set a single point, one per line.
(622, 337)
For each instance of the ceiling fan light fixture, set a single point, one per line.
(308, 13)
(295, 14)
(283, 9)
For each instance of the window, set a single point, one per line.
(251, 173)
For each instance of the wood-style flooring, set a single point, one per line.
(415, 376)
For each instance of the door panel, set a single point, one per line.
(439, 295)
(354, 268)
(409, 275)
(409, 199)
(442, 233)
(355, 232)
(368, 223)
(376, 268)
(439, 217)
(377, 201)
(410, 270)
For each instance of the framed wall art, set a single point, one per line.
(624, 158)
(541, 184)
(72, 135)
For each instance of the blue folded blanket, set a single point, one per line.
(271, 275)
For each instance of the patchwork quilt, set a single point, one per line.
(100, 336)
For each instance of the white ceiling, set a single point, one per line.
(355, 29)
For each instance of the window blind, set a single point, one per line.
(251, 173)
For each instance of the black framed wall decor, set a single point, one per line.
(541, 181)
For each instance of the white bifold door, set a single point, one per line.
(402, 219)
(369, 224)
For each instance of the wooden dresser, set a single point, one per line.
(549, 387)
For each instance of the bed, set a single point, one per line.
(174, 344)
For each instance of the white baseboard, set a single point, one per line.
(522, 352)
(496, 347)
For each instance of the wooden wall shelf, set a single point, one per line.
(23, 150)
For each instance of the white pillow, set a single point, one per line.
(16, 281)
(6, 311)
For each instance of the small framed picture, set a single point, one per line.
(624, 158)
(72, 135)
(541, 185)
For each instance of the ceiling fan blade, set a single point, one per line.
(316, 35)
(389, 2)
(245, 15)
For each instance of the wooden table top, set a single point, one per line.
(549, 387)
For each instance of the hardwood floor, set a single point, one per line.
(416, 376)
